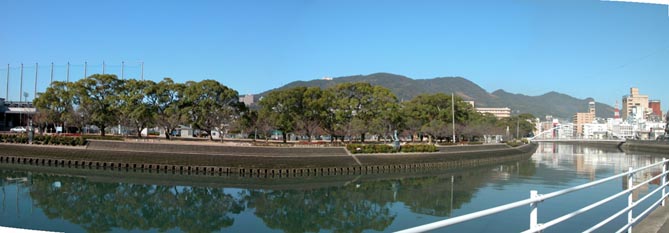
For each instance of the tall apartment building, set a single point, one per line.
(633, 99)
(582, 118)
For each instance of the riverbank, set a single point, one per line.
(646, 146)
(251, 160)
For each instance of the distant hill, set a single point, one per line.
(556, 104)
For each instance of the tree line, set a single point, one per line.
(348, 111)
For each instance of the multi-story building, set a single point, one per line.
(655, 107)
(497, 112)
(581, 118)
(632, 100)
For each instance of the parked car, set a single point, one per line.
(18, 129)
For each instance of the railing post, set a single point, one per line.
(664, 179)
(534, 215)
(630, 199)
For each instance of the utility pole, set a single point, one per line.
(85, 67)
(68, 72)
(21, 86)
(103, 67)
(453, 113)
(142, 71)
(7, 93)
(51, 74)
(122, 69)
(517, 128)
(35, 90)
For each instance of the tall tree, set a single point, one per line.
(166, 99)
(281, 108)
(210, 105)
(360, 101)
(135, 108)
(55, 103)
(98, 94)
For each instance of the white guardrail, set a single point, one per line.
(536, 198)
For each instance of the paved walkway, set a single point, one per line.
(656, 222)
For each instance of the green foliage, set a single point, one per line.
(43, 139)
(556, 104)
(383, 148)
(418, 148)
(370, 148)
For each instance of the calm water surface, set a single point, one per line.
(75, 200)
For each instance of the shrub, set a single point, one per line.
(418, 148)
(99, 137)
(369, 149)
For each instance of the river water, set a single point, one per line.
(79, 200)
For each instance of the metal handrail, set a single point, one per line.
(535, 199)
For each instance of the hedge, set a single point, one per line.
(43, 139)
(383, 148)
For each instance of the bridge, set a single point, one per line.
(541, 137)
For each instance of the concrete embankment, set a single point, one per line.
(646, 146)
(252, 161)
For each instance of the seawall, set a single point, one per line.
(250, 161)
(646, 146)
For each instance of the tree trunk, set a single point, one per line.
(362, 137)
(283, 133)
(102, 131)
(167, 133)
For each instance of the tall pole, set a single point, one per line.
(51, 73)
(21, 86)
(103, 67)
(122, 70)
(7, 93)
(453, 112)
(517, 127)
(35, 90)
(68, 72)
(85, 67)
(142, 71)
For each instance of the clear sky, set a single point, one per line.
(584, 48)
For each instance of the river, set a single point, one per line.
(80, 200)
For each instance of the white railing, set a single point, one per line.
(536, 198)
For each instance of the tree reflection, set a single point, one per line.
(363, 204)
(99, 207)
(341, 209)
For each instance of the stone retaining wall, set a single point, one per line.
(372, 164)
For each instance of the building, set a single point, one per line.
(655, 107)
(248, 100)
(497, 112)
(582, 118)
(13, 113)
(632, 100)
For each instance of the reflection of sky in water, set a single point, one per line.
(377, 203)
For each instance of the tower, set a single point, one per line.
(616, 112)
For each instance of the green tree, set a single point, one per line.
(360, 101)
(210, 105)
(166, 99)
(55, 103)
(98, 94)
(282, 108)
(135, 108)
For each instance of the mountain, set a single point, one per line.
(553, 103)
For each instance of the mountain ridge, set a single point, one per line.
(556, 104)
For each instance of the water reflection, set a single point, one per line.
(364, 204)
(382, 202)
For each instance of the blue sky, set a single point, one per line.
(584, 48)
